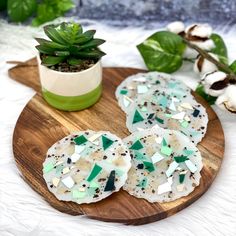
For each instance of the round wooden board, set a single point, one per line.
(39, 126)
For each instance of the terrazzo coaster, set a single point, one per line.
(134, 86)
(169, 110)
(166, 165)
(86, 166)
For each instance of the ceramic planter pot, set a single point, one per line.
(71, 91)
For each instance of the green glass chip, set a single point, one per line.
(180, 159)
(136, 145)
(80, 140)
(137, 117)
(166, 150)
(142, 183)
(123, 91)
(159, 120)
(95, 171)
(78, 194)
(149, 166)
(139, 156)
(48, 167)
(181, 178)
(184, 124)
(106, 142)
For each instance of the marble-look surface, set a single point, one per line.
(139, 12)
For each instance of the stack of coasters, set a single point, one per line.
(86, 167)
(159, 161)
(168, 104)
(142, 83)
(166, 165)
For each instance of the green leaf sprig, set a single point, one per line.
(45, 10)
(49, 10)
(20, 10)
(163, 51)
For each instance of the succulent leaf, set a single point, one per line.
(69, 32)
(62, 53)
(51, 60)
(89, 33)
(53, 34)
(91, 44)
(45, 49)
(51, 44)
(95, 54)
(74, 61)
(85, 37)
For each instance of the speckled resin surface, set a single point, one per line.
(166, 165)
(143, 83)
(86, 166)
(159, 99)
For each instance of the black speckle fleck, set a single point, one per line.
(140, 166)
(101, 179)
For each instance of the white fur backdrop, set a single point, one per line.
(24, 213)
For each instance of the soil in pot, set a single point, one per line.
(65, 67)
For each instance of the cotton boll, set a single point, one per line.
(190, 53)
(205, 45)
(203, 66)
(199, 30)
(199, 35)
(203, 31)
(215, 83)
(213, 77)
(214, 93)
(228, 99)
(176, 27)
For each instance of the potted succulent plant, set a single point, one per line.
(70, 67)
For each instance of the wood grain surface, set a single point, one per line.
(39, 126)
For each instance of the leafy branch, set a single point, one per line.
(44, 11)
(166, 51)
(207, 56)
